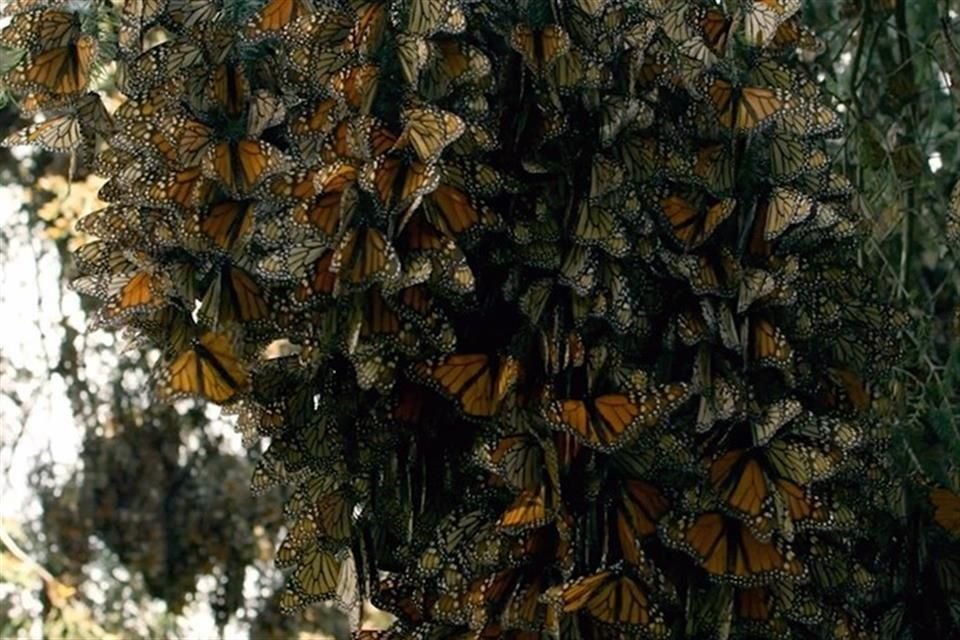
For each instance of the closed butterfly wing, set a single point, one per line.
(275, 17)
(692, 223)
(59, 134)
(766, 344)
(429, 131)
(364, 256)
(532, 508)
(428, 17)
(947, 509)
(210, 369)
(540, 48)
(784, 208)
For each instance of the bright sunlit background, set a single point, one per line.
(36, 421)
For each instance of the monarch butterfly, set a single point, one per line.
(152, 186)
(714, 167)
(428, 17)
(532, 508)
(193, 140)
(458, 533)
(789, 158)
(356, 86)
(399, 185)
(242, 165)
(323, 214)
(449, 64)
(228, 89)
(209, 368)
(773, 418)
(61, 71)
(58, 134)
(579, 270)
(284, 460)
(301, 534)
(765, 344)
(135, 19)
(744, 109)
(291, 262)
(810, 118)
(313, 123)
(640, 154)
(793, 34)
(728, 550)
(320, 575)
(309, 65)
(228, 224)
(762, 18)
(275, 17)
(773, 288)
(83, 121)
(429, 131)
(475, 380)
(191, 13)
(783, 208)
(100, 257)
(848, 390)
(455, 213)
(363, 256)
(142, 129)
(365, 138)
(713, 272)
(715, 26)
(613, 598)
(541, 47)
(369, 24)
(157, 67)
(144, 290)
(615, 419)
(725, 400)
(641, 507)
(750, 486)
(410, 602)
(417, 305)
(518, 459)
(762, 610)
(947, 505)
(320, 281)
(691, 224)
(320, 499)
(133, 226)
(374, 323)
(15, 7)
(38, 29)
(449, 268)
(524, 608)
(232, 296)
(597, 225)
(577, 69)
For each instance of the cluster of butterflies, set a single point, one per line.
(549, 310)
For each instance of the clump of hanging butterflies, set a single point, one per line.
(549, 310)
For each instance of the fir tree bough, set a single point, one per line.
(550, 310)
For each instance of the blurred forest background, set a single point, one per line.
(124, 518)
